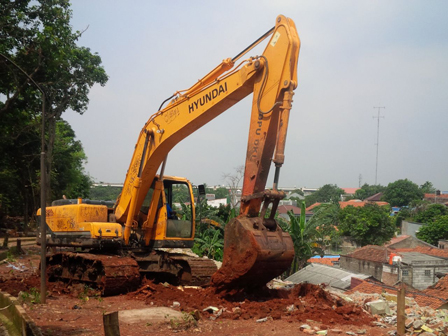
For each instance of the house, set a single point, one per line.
(406, 241)
(438, 197)
(416, 266)
(366, 260)
(374, 198)
(348, 192)
(283, 210)
(317, 274)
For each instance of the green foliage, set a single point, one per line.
(305, 237)
(105, 193)
(402, 193)
(431, 213)
(427, 188)
(220, 192)
(68, 176)
(32, 297)
(326, 219)
(328, 193)
(210, 243)
(434, 231)
(370, 224)
(38, 37)
(368, 190)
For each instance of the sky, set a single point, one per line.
(355, 56)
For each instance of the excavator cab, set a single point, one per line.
(161, 216)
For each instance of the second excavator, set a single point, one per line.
(137, 236)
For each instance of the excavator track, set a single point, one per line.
(111, 274)
(176, 268)
(115, 275)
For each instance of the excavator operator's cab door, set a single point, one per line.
(179, 212)
(172, 224)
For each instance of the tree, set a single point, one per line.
(234, 182)
(368, 190)
(305, 237)
(434, 231)
(38, 37)
(328, 193)
(402, 192)
(427, 188)
(68, 176)
(105, 193)
(370, 224)
(326, 220)
(431, 213)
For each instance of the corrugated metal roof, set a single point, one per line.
(317, 274)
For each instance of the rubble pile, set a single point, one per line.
(424, 321)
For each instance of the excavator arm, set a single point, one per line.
(271, 78)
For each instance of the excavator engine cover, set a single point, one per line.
(254, 253)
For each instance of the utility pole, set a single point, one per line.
(377, 139)
(360, 180)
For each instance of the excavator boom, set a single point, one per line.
(271, 78)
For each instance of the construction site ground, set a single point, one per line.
(160, 309)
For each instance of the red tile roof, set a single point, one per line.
(350, 191)
(432, 196)
(439, 289)
(423, 299)
(371, 253)
(324, 261)
(283, 209)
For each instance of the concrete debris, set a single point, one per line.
(423, 321)
(378, 307)
(280, 284)
(210, 309)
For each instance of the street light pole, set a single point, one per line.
(43, 192)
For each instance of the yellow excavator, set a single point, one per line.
(140, 235)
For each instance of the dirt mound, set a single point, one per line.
(303, 302)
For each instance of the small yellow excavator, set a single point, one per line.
(140, 235)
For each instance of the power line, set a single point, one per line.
(377, 139)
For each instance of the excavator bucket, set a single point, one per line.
(254, 254)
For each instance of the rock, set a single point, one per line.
(236, 310)
(361, 331)
(408, 323)
(149, 315)
(350, 333)
(175, 304)
(290, 308)
(304, 326)
(264, 319)
(336, 331)
(322, 332)
(418, 324)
